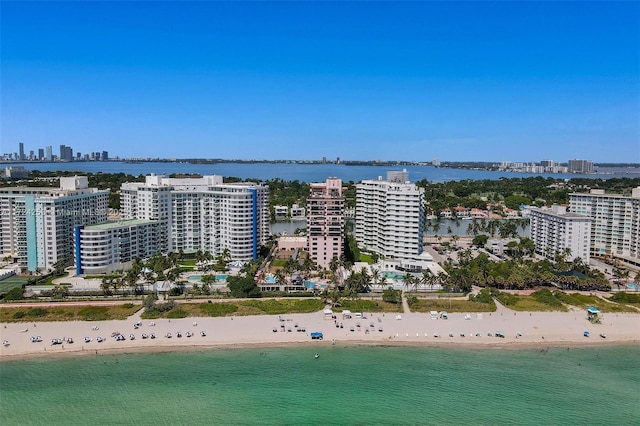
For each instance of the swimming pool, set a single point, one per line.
(393, 276)
(633, 286)
(199, 277)
(270, 279)
(310, 284)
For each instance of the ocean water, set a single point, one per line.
(354, 385)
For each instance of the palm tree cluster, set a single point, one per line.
(523, 273)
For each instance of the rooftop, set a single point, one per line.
(115, 224)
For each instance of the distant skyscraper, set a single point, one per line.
(31, 155)
(63, 151)
(105, 156)
(49, 155)
(580, 166)
(21, 151)
(40, 154)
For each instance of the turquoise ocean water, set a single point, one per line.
(344, 386)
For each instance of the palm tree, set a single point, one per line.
(375, 276)
(408, 281)
(427, 278)
(364, 279)
(280, 277)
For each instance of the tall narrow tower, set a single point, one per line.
(325, 221)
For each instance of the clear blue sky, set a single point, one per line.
(521, 81)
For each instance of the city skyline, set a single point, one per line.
(359, 81)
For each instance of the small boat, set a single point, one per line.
(604, 336)
(316, 356)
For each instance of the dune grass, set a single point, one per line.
(583, 301)
(68, 313)
(427, 305)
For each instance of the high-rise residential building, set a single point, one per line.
(554, 231)
(580, 166)
(202, 213)
(105, 156)
(63, 152)
(21, 156)
(37, 224)
(110, 246)
(615, 230)
(40, 154)
(390, 217)
(49, 153)
(325, 221)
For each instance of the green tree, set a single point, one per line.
(243, 287)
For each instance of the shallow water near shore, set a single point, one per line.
(344, 385)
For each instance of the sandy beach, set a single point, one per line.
(521, 329)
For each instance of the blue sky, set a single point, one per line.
(460, 81)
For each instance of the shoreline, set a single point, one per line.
(521, 330)
(508, 346)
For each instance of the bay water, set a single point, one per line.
(344, 385)
(304, 172)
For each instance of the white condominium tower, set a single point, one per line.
(615, 230)
(114, 245)
(390, 216)
(37, 224)
(325, 221)
(202, 213)
(554, 231)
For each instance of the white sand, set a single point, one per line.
(536, 328)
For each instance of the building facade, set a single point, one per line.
(580, 166)
(389, 218)
(37, 224)
(202, 213)
(110, 246)
(615, 230)
(554, 231)
(325, 221)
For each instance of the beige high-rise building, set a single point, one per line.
(615, 230)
